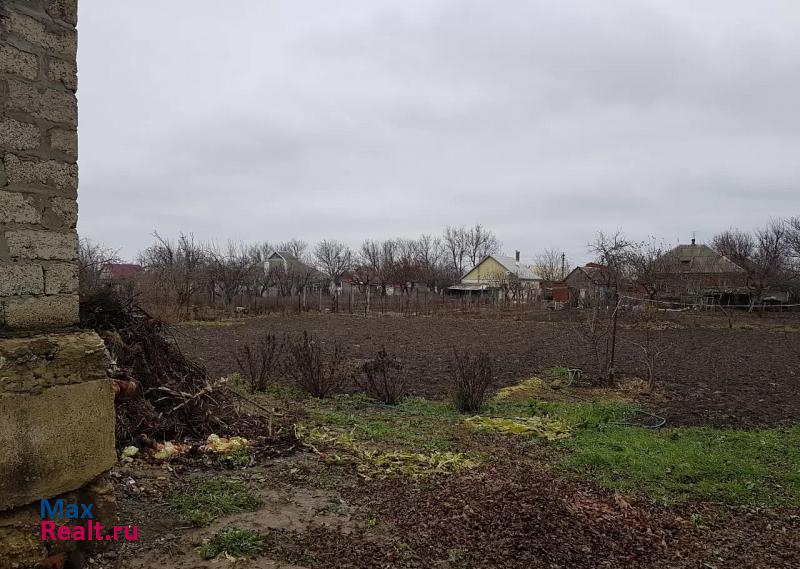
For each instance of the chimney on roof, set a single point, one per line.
(517, 256)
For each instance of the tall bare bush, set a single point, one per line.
(260, 363)
(473, 375)
(315, 372)
(383, 378)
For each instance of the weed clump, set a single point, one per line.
(235, 542)
(472, 376)
(383, 380)
(212, 498)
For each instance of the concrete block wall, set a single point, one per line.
(38, 164)
(56, 403)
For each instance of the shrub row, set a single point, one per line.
(320, 373)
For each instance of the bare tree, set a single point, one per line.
(480, 242)
(92, 258)
(176, 266)
(771, 258)
(793, 240)
(295, 247)
(549, 265)
(613, 252)
(765, 255)
(737, 245)
(333, 259)
(290, 277)
(431, 259)
(645, 262)
(406, 269)
(455, 242)
(260, 278)
(793, 236)
(230, 269)
(378, 259)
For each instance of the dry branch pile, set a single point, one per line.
(178, 398)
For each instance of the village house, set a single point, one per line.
(589, 285)
(120, 277)
(695, 272)
(499, 277)
(289, 275)
(283, 260)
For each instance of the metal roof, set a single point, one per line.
(285, 255)
(523, 272)
(698, 258)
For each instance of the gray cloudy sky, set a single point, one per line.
(543, 120)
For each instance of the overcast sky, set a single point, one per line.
(543, 120)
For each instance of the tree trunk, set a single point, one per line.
(610, 363)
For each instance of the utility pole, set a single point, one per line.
(563, 266)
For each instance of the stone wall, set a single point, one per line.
(56, 403)
(38, 164)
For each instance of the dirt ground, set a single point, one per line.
(513, 512)
(710, 374)
(517, 508)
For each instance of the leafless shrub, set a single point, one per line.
(650, 348)
(472, 377)
(92, 258)
(593, 330)
(260, 363)
(651, 352)
(313, 371)
(383, 379)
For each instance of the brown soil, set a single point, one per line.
(511, 513)
(711, 375)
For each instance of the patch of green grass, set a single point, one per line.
(415, 424)
(376, 430)
(428, 408)
(583, 415)
(556, 372)
(212, 498)
(586, 414)
(757, 467)
(237, 458)
(286, 545)
(235, 542)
